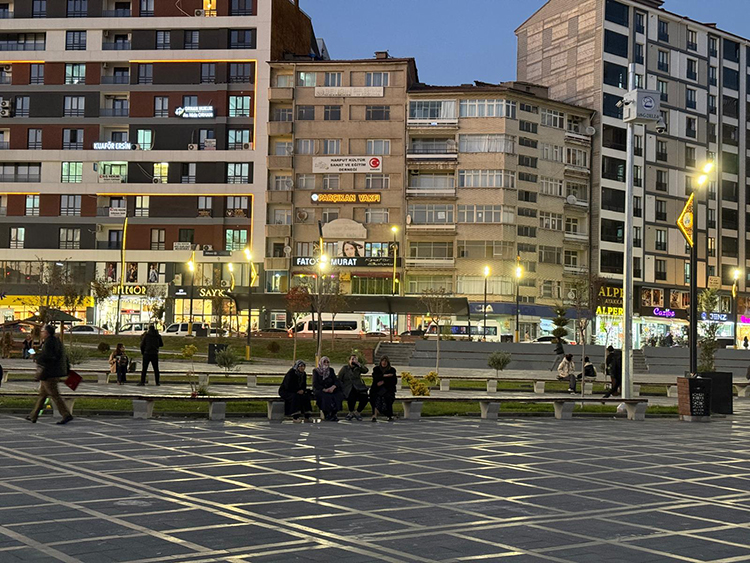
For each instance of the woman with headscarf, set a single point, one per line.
(383, 390)
(295, 393)
(327, 389)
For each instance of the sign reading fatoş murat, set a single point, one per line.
(347, 261)
(337, 164)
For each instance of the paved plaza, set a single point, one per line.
(443, 489)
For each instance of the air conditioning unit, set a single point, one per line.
(4, 113)
(207, 247)
(8, 68)
(200, 13)
(105, 65)
(302, 215)
(192, 147)
(156, 181)
(136, 147)
(246, 146)
(5, 104)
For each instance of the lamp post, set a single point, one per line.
(736, 277)
(253, 275)
(322, 265)
(394, 230)
(519, 273)
(191, 267)
(484, 309)
(693, 336)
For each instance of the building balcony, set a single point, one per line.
(440, 123)
(277, 263)
(280, 162)
(21, 178)
(442, 228)
(119, 79)
(123, 13)
(4, 145)
(279, 128)
(108, 245)
(6, 15)
(574, 270)
(280, 94)
(279, 196)
(7, 79)
(116, 46)
(431, 263)
(432, 151)
(27, 46)
(577, 170)
(278, 231)
(573, 202)
(114, 112)
(577, 138)
(576, 237)
(433, 192)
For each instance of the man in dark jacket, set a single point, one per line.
(559, 354)
(613, 365)
(52, 364)
(150, 343)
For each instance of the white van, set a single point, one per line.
(460, 330)
(134, 328)
(344, 325)
(181, 329)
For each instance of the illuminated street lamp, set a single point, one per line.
(253, 275)
(191, 267)
(484, 309)
(736, 277)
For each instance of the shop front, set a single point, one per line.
(210, 305)
(533, 320)
(136, 303)
(743, 321)
(19, 307)
(609, 311)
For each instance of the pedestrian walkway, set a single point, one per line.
(521, 490)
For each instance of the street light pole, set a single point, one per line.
(693, 335)
(484, 309)
(394, 230)
(736, 276)
(249, 258)
(519, 273)
(191, 267)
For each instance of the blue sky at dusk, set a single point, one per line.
(461, 41)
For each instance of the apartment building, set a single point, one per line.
(337, 146)
(497, 176)
(133, 133)
(582, 50)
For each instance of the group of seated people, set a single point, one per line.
(330, 390)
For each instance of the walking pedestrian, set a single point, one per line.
(745, 343)
(52, 364)
(150, 343)
(295, 393)
(28, 344)
(566, 370)
(327, 390)
(614, 370)
(383, 390)
(118, 361)
(559, 353)
(354, 388)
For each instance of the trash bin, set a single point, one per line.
(213, 349)
(694, 398)
(722, 391)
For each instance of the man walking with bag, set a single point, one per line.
(52, 364)
(150, 343)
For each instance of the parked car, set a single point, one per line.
(181, 329)
(376, 334)
(549, 339)
(134, 329)
(418, 332)
(87, 329)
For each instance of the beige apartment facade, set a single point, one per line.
(498, 177)
(582, 50)
(336, 171)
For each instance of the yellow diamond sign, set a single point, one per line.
(685, 221)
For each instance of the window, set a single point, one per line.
(663, 87)
(144, 137)
(578, 191)
(17, 237)
(660, 270)
(551, 152)
(70, 238)
(305, 182)
(163, 40)
(378, 146)
(70, 205)
(613, 200)
(305, 113)
(690, 156)
(692, 40)
(731, 51)
(208, 73)
(241, 8)
(550, 255)
(332, 79)
(552, 221)
(661, 210)
(75, 40)
(637, 237)
(661, 240)
(486, 179)
(282, 114)
(147, 8)
(161, 172)
(528, 161)
(34, 140)
(661, 151)
(713, 73)
(731, 107)
(191, 39)
(32, 206)
(712, 104)
(427, 214)
(377, 79)
(72, 172)
(331, 146)
(331, 181)
(553, 118)
(731, 79)
(377, 181)
(378, 113)
(615, 43)
(663, 30)
(528, 126)
(235, 239)
(638, 176)
(526, 231)
(329, 214)
(242, 39)
(240, 72)
(551, 186)
(638, 53)
(77, 8)
(576, 157)
(662, 180)
(692, 69)
(238, 173)
(75, 73)
(145, 73)
(491, 143)
(332, 113)
(205, 206)
(609, 107)
(640, 22)
(612, 231)
(239, 106)
(39, 9)
(141, 205)
(616, 12)
(306, 79)
(690, 100)
(158, 239)
(187, 175)
(485, 214)
(616, 75)
(237, 138)
(237, 206)
(161, 106)
(37, 73)
(480, 108)
(376, 215)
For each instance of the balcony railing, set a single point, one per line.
(432, 191)
(6, 15)
(108, 244)
(73, 146)
(122, 13)
(119, 79)
(20, 178)
(430, 262)
(116, 46)
(34, 145)
(238, 146)
(71, 112)
(448, 150)
(114, 112)
(7, 79)
(662, 156)
(4, 145)
(187, 180)
(27, 46)
(576, 236)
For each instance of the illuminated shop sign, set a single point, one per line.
(666, 313)
(718, 317)
(112, 146)
(345, 197)
(195, 112)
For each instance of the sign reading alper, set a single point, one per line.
(328, 164)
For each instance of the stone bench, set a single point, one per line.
(490, 407)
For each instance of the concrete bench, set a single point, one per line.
(490, 407)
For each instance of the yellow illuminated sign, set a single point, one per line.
(685, 221)
(344, 197)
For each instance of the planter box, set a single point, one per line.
(694, 399)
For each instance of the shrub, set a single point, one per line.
(76, 355)
(274, 347)
(188, 351)
(226, 358)
(499, 361)
(432, 379)
(103, 347)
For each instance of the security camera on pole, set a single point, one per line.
(640, 107)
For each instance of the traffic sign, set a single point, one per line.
(685, 221)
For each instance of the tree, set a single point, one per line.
(560, 321)
(298, 304)
(325, 292)
(498, 361)
(436, 303)
(708, 301)
(336, 304)
(155, 302)
(582, 296)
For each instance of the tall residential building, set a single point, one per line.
(581, 50)
(336, 166)
(497, 176)
(140, 125)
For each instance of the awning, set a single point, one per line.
(394, 304)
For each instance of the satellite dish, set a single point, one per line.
(571, 199)
(408, 219)
(288, 250)
(590, 131)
